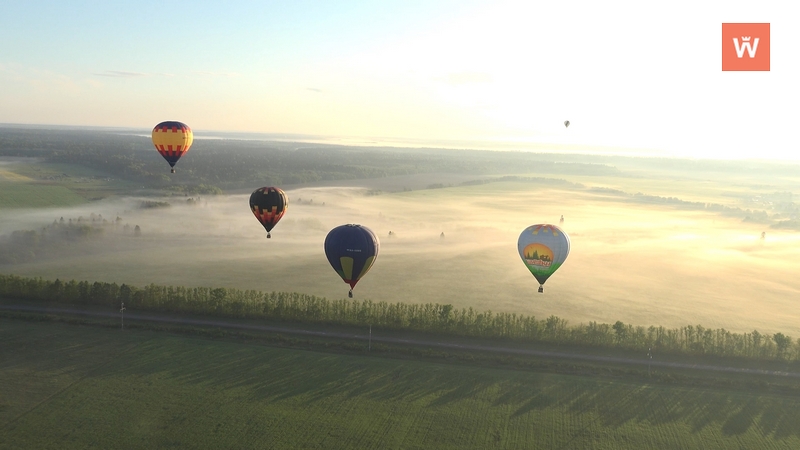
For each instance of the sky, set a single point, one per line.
(641, 76)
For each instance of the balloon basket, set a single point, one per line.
(350, 294)
(541, 289)
(172, 171)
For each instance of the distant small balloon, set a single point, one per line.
(566, 123)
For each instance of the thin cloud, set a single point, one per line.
(313, 89)
(216, 74)
(121, 74)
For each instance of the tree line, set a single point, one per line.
(427, 317)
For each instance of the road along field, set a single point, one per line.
(65, 386)
(644, 264)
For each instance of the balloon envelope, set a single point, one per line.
(351, 249)
(268, 205)
(172, 140)
(566, 123)
(543, 248)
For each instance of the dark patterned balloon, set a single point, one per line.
(268, 205)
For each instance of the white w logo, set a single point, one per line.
(751, 51)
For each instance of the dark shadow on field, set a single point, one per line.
(266, 374)
(780, 418)
(615, 404)
(739, 421)
(37, 362)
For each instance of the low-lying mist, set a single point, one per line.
(641, 264)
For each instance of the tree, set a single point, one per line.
(444, 313)
(218, 296)
(621, 330)
(783, 343)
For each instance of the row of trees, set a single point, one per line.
(428, 317)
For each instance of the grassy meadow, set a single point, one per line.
(30, 183)
(64, 386)
(22, 195)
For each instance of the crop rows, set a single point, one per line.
(134, 389)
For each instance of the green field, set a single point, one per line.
(29, 195)
(30, 183)
(66, 386)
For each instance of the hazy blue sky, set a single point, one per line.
(626, 73)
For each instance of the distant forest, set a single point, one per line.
(215, 165)
(234, 164)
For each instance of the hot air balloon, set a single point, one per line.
(566, 123)
(172, 140)
(543, 248)
(268, 205)
(351, 249)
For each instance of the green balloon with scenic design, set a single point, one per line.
(543, 248)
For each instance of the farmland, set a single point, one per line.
(24, 195)
(32, 183)
(667, 243)
(65, 386)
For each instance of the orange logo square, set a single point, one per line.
(745, 46)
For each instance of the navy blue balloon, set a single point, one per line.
(351, 249)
